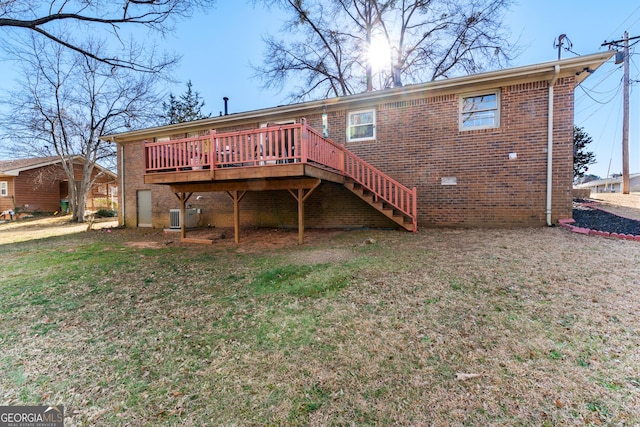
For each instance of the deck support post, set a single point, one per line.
(300, 216)
(301, 197)
(184, 198)
(236, 196)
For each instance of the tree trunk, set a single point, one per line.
(78, 213)
(78, 201)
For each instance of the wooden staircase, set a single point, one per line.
(391, 198)
(381, 206)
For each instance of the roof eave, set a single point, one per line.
(16, 171)
(580, 67)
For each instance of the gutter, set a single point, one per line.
(550, 120)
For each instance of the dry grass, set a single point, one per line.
(626, 205)
(443, 327)
(47, 226)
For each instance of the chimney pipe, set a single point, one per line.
(226, 100)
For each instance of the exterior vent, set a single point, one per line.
(192, 218)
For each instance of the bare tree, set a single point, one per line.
(67, 101)
(328, 49)
(55, 20)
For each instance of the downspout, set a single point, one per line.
(121, 202)
(550, 120)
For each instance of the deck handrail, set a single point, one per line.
(269, 145)
(177, 154)
(322, 150)
(382, 186)
(255, 147)
(368, 176)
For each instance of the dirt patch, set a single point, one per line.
(253, 239)
(146, 245)
(322, 256)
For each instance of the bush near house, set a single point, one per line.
(106, 213)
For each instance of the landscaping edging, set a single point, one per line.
(568, 223)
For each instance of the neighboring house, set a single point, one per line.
(41, 185)
(612, 185)
(487, 150)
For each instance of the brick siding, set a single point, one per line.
(41, 189)
(418, 143)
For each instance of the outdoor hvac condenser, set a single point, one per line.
(192, 217)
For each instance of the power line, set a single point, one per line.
(623, 22)
(602, 80)
(595, 100)
(599, 92)
(594, 108)
(634, 22)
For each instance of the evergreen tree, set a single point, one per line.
(581, 157)
(186, 108)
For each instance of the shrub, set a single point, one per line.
(106, 213)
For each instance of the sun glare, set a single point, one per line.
(379, 53)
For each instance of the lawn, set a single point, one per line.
(443, 327)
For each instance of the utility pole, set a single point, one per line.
(625, 116)
(625, 106)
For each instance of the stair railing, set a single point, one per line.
(383, 187)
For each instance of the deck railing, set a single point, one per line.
(292, 143)
(382, 186)
(322, 151)
(177, 154)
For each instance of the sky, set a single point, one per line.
(219, 47)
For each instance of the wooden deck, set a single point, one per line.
(284, 157)
(223, 179)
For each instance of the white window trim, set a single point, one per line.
(464, 96)
(4, 188)
(366, 138)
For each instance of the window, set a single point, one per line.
(361, 125)
(480, 111)
(4, 188)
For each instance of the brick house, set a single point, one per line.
(612, 184)
(469, 151)
(41, 185)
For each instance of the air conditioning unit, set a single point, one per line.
(192, 218)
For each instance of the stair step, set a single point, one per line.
(383, 207)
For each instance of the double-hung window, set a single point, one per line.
(480, 111)
(4, 188)
(361, 125)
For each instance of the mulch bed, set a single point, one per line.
(588, 216)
